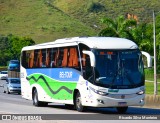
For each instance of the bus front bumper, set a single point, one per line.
(107, 101)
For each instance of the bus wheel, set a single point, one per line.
(36, 102)
(78, 103)
(122, 110)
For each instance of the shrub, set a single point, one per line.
(96, 7)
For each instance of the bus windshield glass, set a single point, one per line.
(119, 69)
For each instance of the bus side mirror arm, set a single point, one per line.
(149, 59)
(92, 57)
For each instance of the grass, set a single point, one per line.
(149, 75)
(39, 21)
(150, 88)
(47, 20)
(113, 8)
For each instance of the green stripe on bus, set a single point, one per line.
(55, 89)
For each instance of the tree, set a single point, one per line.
(18, 43)
(5, 50)
(140, 33)
(120, 27)
(10, 47)
(142, 36)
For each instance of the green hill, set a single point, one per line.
(90, 11)
(38, 20)
(47, 20)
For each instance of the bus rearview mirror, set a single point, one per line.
(92, 57)
(149, 59)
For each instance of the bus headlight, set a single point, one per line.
(98, 92)
(102, 93)
(141, 92)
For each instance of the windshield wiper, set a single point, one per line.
(97, 79)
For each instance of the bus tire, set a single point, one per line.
(36, 102)
(122, 110)
(78, 103)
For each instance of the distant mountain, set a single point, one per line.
(47, 20)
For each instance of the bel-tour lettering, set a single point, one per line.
(65, 74)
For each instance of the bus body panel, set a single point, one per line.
(89, 97)
(114, 97)
(92, 42)
(54, 84)
(58, 84)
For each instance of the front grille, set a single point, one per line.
(122, 96)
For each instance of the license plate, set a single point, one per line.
(122, 103)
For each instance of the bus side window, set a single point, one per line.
(39, 59)
(83, 60)
(65, 57)
(73, 58)
(43, 58)
(52, 58)
(88, 73)
(31, 59)
(25, 59)
(35, 58)
(82, 48)
(60, 57)
(48, 58)
(56, 58)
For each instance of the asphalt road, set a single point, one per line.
(15, 104)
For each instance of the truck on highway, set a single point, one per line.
(14, 69)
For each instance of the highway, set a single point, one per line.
(15, 104)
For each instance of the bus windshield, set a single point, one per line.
(119, 69)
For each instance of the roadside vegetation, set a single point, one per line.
(39, 20)
(150, 88)
(10, 47)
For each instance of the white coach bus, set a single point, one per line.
(84, 71)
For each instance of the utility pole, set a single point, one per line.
(155, 55)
